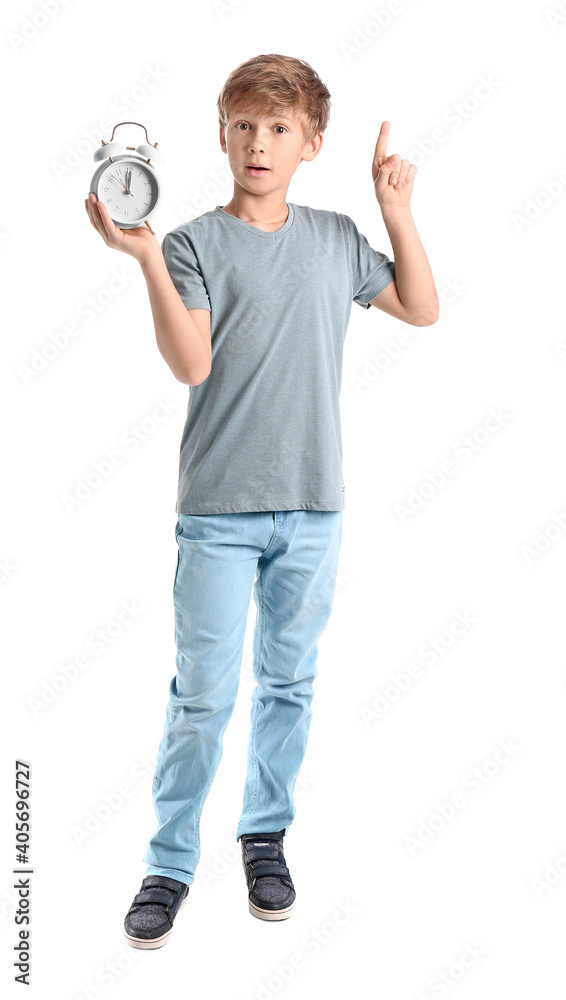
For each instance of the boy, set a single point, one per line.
(251, 302)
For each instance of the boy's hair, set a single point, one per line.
(272, 84)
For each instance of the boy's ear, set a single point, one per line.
(313, 148)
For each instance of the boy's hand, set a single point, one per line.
(138, 243)
(392, 177)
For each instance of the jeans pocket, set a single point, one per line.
(201, 527)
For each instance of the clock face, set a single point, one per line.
(128, 189)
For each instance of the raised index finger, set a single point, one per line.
(381, 144)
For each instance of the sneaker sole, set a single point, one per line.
(135, 942)
(257, 911)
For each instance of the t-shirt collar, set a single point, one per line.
(275, 235)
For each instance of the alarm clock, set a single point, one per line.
(127, 182)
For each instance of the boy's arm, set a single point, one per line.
(411, 296)
(183, 335)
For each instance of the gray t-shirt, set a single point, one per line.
(263, 430)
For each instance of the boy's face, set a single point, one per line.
(276, 143)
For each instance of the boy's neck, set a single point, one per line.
(268, 213)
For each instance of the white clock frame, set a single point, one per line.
(114, 152)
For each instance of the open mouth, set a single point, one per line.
(257, 171)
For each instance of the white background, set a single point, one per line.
(486, 79)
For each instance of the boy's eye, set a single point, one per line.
(247, 126)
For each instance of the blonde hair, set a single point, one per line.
(273, 84)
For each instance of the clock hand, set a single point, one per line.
(120, 182)
(116, 179)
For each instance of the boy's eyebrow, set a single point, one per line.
(282, 118)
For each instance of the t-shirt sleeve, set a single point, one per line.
(184, 270)
(371, 269)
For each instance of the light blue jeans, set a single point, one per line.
(295, 554)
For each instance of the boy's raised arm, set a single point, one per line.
(412, 297)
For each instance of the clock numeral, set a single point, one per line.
(126, 214)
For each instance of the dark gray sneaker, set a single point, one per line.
(149, 921)
(271, 892)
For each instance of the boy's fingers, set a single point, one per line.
(97, 213)
(105, 219)
(88, 204)
(89, 212)
(100, 222)
(96, 221)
